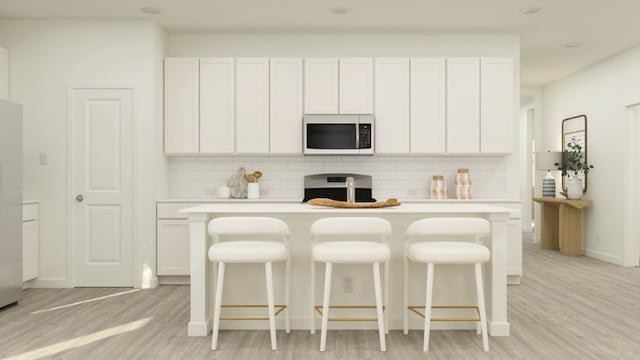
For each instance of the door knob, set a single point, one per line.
(79, 198)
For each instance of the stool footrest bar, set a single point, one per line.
(360, 307)
(279, 309)
(415, 310)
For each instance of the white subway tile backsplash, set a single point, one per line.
(393, 176)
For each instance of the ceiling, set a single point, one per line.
(603, 27)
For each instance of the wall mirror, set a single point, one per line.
(575, 128)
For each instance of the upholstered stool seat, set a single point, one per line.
(448, 252)
(447, 241)
(250, 240)
(247, 251)
(350, 240)
(350, 252)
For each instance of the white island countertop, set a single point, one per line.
(299, 218)
(298, 208)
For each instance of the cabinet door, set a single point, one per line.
(252, 105)
(496, 105)
(30, 250)
(392, 105)
(321, 86)
(4, 74)
(181, 98)
(463, 105)
(217, 105)
(356, 86)
(428, 105)
(285, 110)
(173, 247)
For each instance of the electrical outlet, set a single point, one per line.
(347, 284)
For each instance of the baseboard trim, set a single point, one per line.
(49, 283)
(603, 256)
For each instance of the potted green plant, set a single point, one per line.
(574, 165)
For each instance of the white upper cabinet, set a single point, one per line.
(217, 105)
(428, 106)
(321, 86)
(463, 105)
(391, 105)
(285, 97)
(4, 74)
(252, 105)
(356, 86)
(496, 105)
(181, 99)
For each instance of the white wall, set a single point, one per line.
(410, 176)
(601, 92)
(46, 56)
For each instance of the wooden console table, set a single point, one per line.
(561, 224)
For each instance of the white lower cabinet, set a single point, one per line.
(173, 247)
(172, 239)
(30, 242)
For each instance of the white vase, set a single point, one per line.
(253, 190)
(574, 188)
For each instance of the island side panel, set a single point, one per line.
(496, 278)
(200, 322)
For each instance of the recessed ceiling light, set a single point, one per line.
(151, 10)
(530, 10)
(573, 44)
(340, 10)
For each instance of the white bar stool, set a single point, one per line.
(349, 240)
(446, 249)
(251, 240)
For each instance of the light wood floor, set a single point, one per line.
(565, 308)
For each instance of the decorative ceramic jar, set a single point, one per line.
(463, 184)
(438, 187)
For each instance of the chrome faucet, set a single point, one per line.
(351, 190)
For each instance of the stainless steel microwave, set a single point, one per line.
(338, 134)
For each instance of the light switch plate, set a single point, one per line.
(43, 158)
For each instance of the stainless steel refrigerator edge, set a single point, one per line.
(10, 202)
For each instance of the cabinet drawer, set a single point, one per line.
(172, 210)
(29, 212)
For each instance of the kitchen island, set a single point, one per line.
(452, 285)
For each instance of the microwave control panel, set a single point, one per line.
(364, 136)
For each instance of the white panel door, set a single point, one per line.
(102, 151)
(356, 86)
(392, 105)
(4, 74)
(217, 105)
(285, 96)
(321, 86)
(463, 105)
(496, 105)
(252, 105)
(173, 247)
(181, 124)
(428, 106)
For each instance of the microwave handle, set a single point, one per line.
(357, 135)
